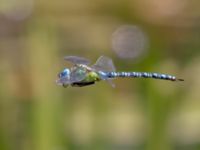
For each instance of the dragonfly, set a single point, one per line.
(83, 74)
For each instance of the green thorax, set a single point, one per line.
(91, 77)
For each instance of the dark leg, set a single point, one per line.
(81, 84)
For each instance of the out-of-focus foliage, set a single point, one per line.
(138, 114)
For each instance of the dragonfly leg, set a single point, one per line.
(81, 84)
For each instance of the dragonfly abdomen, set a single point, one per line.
(142, 75)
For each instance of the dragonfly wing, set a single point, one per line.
(77, 60)
(111, 82)
(104, 64)
(62, 81)
(78, 74)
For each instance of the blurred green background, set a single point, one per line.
(139, 114)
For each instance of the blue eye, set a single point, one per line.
(64, 73)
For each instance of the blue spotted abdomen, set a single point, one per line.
(142, 75)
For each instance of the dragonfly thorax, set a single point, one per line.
(85, 66)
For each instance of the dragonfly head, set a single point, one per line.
(65, 73)
(64, 77)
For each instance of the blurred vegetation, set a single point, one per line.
(141, 114)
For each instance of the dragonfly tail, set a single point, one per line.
(143, 75)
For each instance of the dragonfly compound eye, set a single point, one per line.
(64, 73)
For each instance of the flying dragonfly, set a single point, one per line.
(82, 74)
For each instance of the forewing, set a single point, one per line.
(77, 60)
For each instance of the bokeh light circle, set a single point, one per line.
(129, 41)
(17, 9)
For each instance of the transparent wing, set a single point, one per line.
(105, 64)
(63, 80)
(77, 60)
(78, 74)
(111, 82)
